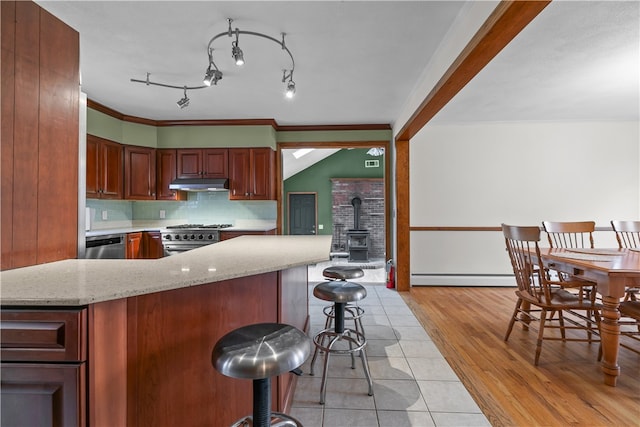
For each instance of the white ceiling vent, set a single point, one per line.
(372, 163)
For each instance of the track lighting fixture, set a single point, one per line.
(213, 74)
(184, 102)
(291, 89)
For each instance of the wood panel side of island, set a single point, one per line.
(171, 335)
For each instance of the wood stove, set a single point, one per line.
(357, 239)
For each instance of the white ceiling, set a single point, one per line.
(357, 62)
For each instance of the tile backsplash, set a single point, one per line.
(200, 208)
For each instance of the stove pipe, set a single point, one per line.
(356, 202)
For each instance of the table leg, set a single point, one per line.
(610, 335)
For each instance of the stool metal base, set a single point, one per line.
(281, 420)
(357, 343)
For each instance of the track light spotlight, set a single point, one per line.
(184, 102)
(291, 89)
(237, 54)
(211, 76)
(208, 77)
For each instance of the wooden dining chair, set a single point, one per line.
(572, 234)
(628, 236)
(630, 322)
(627, 233)
(539, 297)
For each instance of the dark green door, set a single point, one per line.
(302, 213)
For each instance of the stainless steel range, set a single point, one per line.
(181, 238)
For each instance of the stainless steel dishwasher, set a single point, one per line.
(106, 246)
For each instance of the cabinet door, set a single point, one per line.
(239, 174)
(189, 163)
(93, 162)
(110, 170)
(262, 178)
(165, 173)
(215, 163)
(139, 173)
(134, 246)
(152, 242)
(43, 394)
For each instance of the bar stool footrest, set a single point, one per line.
(359, 341)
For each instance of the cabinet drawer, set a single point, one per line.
(43, 335)
(43, 394)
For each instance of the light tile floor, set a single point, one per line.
(413, 384)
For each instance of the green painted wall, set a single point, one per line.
(216, 136)
(334, 135)
(342, 164)
(104, 126)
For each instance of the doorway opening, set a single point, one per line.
(286, 149)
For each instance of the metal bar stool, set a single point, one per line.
(259, 352)
(352, 311)
(340, 293)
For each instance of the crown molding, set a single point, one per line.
(230, 122)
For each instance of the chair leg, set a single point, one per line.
(543, 318)
(513, 319)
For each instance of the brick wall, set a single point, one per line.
(371, 192)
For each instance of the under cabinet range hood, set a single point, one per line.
(200, 184)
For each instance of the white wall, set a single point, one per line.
(517, 173)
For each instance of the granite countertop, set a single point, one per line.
(76, 282)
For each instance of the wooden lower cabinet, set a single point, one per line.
(149, 357)
(44, 367)
(134, 248)
(144, 245)
(152, 244)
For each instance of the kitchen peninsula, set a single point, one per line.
(128, 342)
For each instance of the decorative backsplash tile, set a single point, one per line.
(200, 208)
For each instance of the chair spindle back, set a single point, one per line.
(627, 233)
(570, 234)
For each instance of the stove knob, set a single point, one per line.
(176, 237)
(200, 237)
(185, 237)
(193, 237)
(167, 237)
(210, 237)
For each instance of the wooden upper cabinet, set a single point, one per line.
(166, 168)
(203, 163)
(251, 174)
(104, 168)
(139, 173)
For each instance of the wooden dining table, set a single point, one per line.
(612, 270)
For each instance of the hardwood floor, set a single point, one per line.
(565, 389)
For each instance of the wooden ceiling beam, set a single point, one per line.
(502, 26)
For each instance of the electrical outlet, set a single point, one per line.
(105, 215)
(320, 226)
(163, 214)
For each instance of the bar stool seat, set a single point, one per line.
(342, 272)
(259, 352)
(340, 293)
